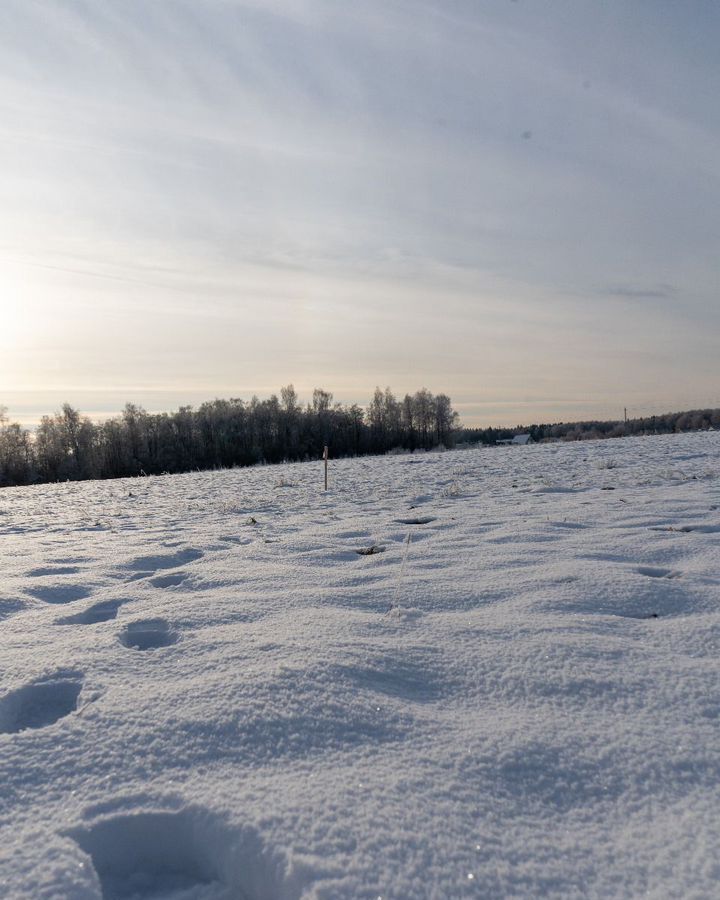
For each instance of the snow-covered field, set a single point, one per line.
(206, 691)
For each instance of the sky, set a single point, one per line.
(514, 203)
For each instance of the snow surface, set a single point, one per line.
(207, 691)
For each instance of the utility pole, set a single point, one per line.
(626, 415)
(325, 457)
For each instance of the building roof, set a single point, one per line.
(517, 439)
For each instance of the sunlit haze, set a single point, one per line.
(514, 203)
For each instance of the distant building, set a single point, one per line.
(518, 439)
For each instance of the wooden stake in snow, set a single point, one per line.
(325, 457)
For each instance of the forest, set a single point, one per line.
(220, 434)
(226, 433)
(667, 423)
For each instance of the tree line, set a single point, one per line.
(219, 434)
(667, 423)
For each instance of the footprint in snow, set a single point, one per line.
(40, 703)
(44, 571)
(104, 611)
(233, 539)
(148, 634)
(638, 615)
(59, 593)
(555, 489)
(403, 613)
(687, 529)
(163, 560)
(187, 853)
(9, 608)
(657, 572)
(172, 579)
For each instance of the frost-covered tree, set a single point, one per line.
(16, 456)
(220, 433)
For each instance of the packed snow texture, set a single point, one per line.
(482, 673)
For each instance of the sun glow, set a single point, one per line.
(20, 326)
